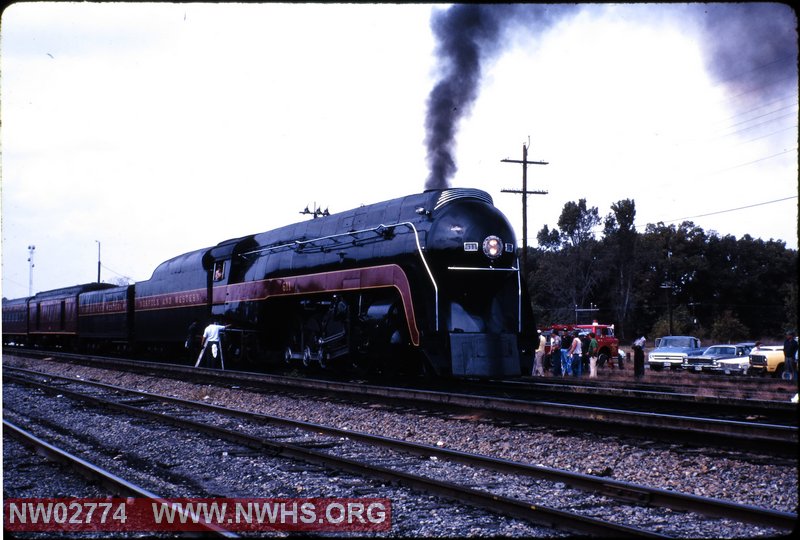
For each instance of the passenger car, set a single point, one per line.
(767, 359)
(671, 351)
(721, 358)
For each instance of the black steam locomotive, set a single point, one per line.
(431, 276)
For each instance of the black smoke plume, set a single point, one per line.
(751, 48)
(467, 36)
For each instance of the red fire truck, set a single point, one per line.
(607, 343)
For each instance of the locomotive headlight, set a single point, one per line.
(492, 247)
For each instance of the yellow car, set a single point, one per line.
(767, 359)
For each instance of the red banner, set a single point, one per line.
(235, 515)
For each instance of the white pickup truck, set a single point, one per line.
(671, 351)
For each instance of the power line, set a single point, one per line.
(790, 98)
(762, 115)
(730, 209)
(766, 135)
(15, 282)
(117, 273)
(734, 126)
(752, 162)
(789, 59)
(698, 177)
(758, 124)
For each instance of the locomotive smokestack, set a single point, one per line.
(467, 35)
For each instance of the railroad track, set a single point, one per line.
(700, 384)
(753, 434)
(116, 484)
(666, 400)
(143, 405)
(308, 451)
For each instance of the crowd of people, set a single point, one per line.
(570, 354)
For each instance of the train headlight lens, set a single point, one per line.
(492, 247)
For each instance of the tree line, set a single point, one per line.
(669, 279)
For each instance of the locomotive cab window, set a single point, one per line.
(219, 271)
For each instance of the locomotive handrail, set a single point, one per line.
(519, 300)
(380, 231)
(294, 244)
(430, 274)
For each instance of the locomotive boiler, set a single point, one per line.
(430, 279)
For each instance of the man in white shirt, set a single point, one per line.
(638, 357)
(538, 357)
(212, 345)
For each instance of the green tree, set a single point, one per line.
(790, 304)
(620, 240)
(549, 240)
(576, 223)
(568, 263)
(727, 328)
(720, 283)
(672, 258)
(682, 324)
(750, 278)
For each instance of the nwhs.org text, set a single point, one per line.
(185, 514)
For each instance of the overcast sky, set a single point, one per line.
(157, 129)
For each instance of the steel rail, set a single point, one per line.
(616, 489)
(782, 411)
(768, 437)
(105, 477)
(541, 515)
(667, 392)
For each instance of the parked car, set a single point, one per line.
(722, 359)
(671, 351)
(735, 366)
(767, 359)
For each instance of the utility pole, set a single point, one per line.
(31, 249)
(524, 192)
(591, 309)
(669, 284)
(98, 260)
